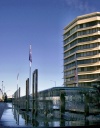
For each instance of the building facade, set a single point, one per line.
(81, 46)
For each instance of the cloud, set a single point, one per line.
(80, 5)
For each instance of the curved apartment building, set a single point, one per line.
(81, 44)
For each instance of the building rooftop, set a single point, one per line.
(82, 17)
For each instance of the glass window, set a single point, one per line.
(87, 31)
(82, 69)
(84, 25)
(91, 45)
(81, 25)
(90, 31)
(82, 54)
(94, 52)
(88, 53)
(79, 69)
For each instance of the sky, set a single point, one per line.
(38, 23)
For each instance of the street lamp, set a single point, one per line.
(54, 82)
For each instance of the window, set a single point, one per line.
(81, 25)
(91, 45)
(82, 69)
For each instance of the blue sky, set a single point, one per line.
(39, 23)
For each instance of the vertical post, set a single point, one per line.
(19, 92)
(15, 99)
(86, 107)
(19, 98)
(33, 99)
(30, 80)
(62, 123)
(27, 95)
(62, 104)
(35, 92)
(18, 117)
(30, 59)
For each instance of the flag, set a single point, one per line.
(30, 54)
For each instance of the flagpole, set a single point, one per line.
(30, 79)
(30, 59)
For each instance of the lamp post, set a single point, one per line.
(54, 82)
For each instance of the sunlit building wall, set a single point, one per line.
(81, 46)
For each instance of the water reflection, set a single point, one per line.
(69, 119)
(13, 116)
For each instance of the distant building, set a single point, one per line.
(81, 43)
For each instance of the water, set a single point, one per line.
(12, 117)
(17, 118)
